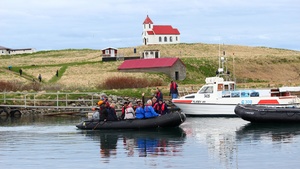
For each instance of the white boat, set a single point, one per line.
(219, 98)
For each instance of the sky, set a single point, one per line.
(97, 24)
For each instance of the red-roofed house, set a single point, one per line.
(173, 67)
(159, 34)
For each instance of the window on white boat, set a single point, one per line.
(206, 89)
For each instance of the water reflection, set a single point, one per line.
(139, 143)
(271, 131)
(38, 119)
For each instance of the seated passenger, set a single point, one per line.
(96, 115)
(162, 108)
(129, 112)
(104, 111)
(139, 112)
(123, 111)
(111, 115)
(149, 111)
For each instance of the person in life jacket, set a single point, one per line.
(154, 103)
(161, 108)
(158, 94)
(173, 89)
(104, 108)
(125, 104)
(149, 111)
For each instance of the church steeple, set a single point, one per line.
(148, 24)
(148, 20)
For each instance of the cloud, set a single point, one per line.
(90, 23)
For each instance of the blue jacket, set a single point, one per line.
(149, 112)
(139, 113)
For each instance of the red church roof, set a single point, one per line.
(148, 63)
(148, 20)
(165, 30)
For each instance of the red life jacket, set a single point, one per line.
(173, 86)
(156, 106)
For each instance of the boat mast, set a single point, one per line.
(222, 70)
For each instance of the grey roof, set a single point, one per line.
(2, 47)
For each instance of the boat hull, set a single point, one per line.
(225, 106)
(173, 119)
(198, 109)
(258, 114)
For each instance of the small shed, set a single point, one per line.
(109, 52)
(173, 67)
(150, 54)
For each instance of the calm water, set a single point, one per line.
(52, 142)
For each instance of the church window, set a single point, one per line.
(171, 39)
(176, 38)
(149, 25)
(159, 39)
(166, 39)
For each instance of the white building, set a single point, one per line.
(8, 51)
(150, 54)
(159, 34)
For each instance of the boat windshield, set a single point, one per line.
(206, 89)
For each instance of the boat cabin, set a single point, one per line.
(217, 84)
(218, 88)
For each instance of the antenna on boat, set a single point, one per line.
(223, 70)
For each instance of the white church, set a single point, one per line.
(159, 34)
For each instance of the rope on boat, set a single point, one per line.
(180, 116)
(98, 124)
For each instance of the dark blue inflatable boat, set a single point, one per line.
(173, 119)
(268, 113)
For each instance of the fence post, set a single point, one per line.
(66, 99)
(4, 95)
(92, 99)
(25, 100)
(33, 99)
(57, 100)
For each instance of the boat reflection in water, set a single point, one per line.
(139, 143)
(275, 132)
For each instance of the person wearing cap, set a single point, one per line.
(104, 108)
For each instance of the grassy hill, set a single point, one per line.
(84, 70)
